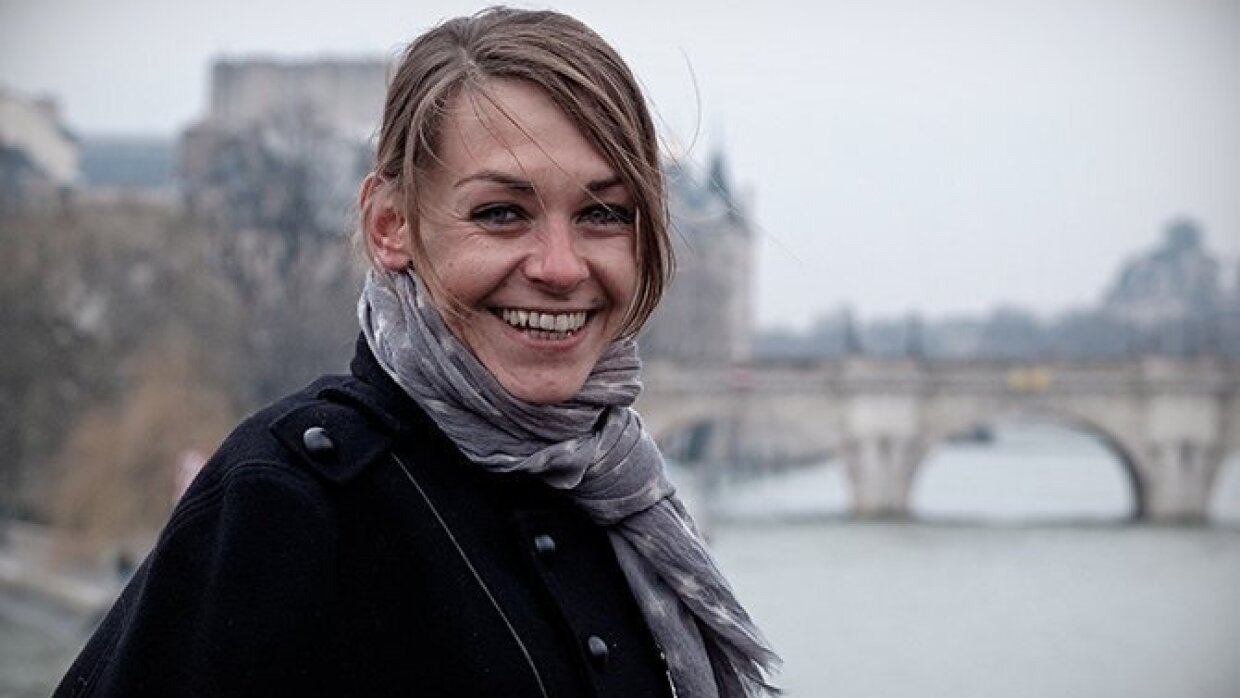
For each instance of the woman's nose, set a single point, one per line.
(556, 261)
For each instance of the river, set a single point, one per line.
(900, 610)
(1018, 578)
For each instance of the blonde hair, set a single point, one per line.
(577, 70)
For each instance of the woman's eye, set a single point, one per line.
(607, 214)
(497, 215)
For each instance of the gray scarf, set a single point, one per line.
(594, 447)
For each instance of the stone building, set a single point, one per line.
(1173, 299)
(706, 315)
(344, 95)
(284, 144)
(1177, 280)
(38, 155)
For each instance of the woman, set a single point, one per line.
(476, 510)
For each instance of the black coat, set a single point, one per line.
(305, 560)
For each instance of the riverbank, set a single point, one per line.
(30, 564)
(38, 641)
(48, 606)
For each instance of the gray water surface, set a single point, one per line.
(1019, 577)
(917, 610)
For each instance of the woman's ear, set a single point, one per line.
(384, 226)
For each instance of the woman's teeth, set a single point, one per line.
(544, 325)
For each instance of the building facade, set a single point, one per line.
(1176, 280)
(284, 143)
(39, 157)
(706, 315)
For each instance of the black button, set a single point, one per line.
(544, 545)
(317, 442)
(598, 650)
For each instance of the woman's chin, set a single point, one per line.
(538, 367)
(543, 390)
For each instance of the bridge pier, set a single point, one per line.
(880, 469)
(1178, 476)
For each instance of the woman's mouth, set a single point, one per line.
(542, 325)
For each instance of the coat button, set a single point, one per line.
(597, 648)
(544, 545)
(317, 442)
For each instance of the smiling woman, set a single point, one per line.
(527, 235)
(476, 510)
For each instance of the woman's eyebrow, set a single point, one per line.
(494, 177)
(600, 185)
(507, 180)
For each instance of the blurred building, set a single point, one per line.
(1168, 300)
(1177, 280)
(343, 95)
(706, 315)
(284, 144)
(38, 155)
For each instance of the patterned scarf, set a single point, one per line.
(594, 447)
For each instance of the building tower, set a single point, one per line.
(706, 314)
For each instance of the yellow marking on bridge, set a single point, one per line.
(1030, 379)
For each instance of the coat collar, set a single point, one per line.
(343, 424)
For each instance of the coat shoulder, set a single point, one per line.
(334, 429)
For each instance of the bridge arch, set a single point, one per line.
(744, 442)
(1027, 466)
(994, 416)
(689, 441)
(735, 426)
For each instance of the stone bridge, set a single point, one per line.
(1170, 422)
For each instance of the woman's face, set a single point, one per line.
(531, 232)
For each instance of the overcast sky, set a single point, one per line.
(901, 154)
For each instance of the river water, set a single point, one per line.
(1018, 578)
